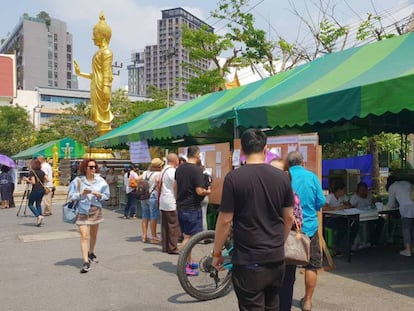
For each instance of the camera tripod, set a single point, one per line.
(25, 199)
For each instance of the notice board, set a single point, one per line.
(217, 160)
(307, 144)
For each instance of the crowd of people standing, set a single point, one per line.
(260, 203)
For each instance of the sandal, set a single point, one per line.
(303, 307)
(144, 239)
(155, 240)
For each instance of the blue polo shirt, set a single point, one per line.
(308, 187)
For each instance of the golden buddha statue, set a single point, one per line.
(101, 77)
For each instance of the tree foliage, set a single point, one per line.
(203, 44)
(44, 16)
(256, 48)
(16, 130)
(74, 123)
(124, 110)
(245, 45)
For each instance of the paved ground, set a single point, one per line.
(39, 270)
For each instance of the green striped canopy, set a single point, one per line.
(201, 115)
(373, 80)
(368, 88)
(46, 150)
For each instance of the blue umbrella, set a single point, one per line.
(5, 160)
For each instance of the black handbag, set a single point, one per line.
(297, 247)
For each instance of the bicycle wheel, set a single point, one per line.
(208, 283)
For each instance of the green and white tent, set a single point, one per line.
(359, 91)
(66, 148)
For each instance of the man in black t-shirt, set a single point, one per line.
(257, 199)
(189, 191)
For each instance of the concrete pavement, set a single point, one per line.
(39, 270)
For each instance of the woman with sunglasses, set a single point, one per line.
(90, 189)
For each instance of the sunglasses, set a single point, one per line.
(92, 167)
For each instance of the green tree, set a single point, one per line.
(16, 130)
(252, 47)
(240, 22)
(44, 16)
(74, 122)
(124, 110)
(46, 134)
(203, 44)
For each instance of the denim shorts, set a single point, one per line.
(149, 208)
(190, 221)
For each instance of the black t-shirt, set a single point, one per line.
(188, 177)
(41, 175)
(257, 194)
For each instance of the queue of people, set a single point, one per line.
(259, 203)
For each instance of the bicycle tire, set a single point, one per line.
(220, 281)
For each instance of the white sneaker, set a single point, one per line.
(406, 253)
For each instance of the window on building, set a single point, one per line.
(68, 84)
(69, 48)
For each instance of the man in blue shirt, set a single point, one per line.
(308, 187)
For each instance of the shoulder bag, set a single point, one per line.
(46, 190)
(297, 247)
(70, 209)
(159, 186)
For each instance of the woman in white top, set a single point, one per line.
(399, 191)
(130, 210)
(149, 208)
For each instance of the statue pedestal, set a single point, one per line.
(99, 153)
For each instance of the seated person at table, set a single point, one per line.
(362, 199)
(337, 200)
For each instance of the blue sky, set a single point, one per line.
(134, 22)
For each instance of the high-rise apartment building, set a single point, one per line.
(136, 75)
(163, 62)
(43, 50)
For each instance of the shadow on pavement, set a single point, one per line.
(183, 298)
(133, 239)
(74, 262)
(166, 267)
(381, 266)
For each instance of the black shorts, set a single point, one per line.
(315, 262)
